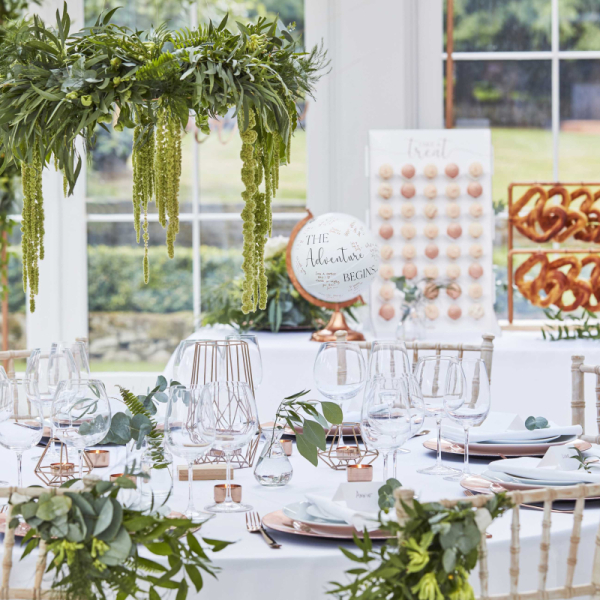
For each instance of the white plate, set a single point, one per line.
(298, 511)
(524, 441)
(314, 511)
(499, 477)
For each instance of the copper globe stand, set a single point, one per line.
(337, 321)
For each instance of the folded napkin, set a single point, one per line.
(557, 465)
(506, 427)
(338, 510)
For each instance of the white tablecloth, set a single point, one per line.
(302, 568)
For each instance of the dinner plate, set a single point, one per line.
(299, 511)
(315, 511)
(278, 521)
(525, 441)
(501, 450)
(501, 478)
(21, 529)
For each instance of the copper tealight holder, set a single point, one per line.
(66, 467)
(55, 474)
(221, 490)
(287, 446)
(114, 476)
(359, 473)
(339, 457)
(99, 458)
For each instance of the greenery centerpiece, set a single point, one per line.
(58, 87)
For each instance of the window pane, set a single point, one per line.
(140, 14)
(579, 24)
(501, 25)
(580, 120)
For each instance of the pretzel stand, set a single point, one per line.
(556, 213)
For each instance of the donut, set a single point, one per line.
(475, 230)
(454, 312)
(408, 231)
(453, 210)
(386, 252)
(386, 231)
(453, 251)
(475, 291)
(386, 271)
(432, 312)
(431, 291)
(453, 272)
(387, 312)
(430, 272)
(454, 230)
(431, 251)
(408, 190)
(407, 210)
(476, 250)
(386, 211)
(475, 169)
(386, 171)
(476, 311)
(453, 290)
(452, 170)
(475, 210)
(430, 210)
(453, 191)
(430, 171)
(431, 231)
(430, 191)
(385, 191)
(408, 171)
(475, 270)
(409, 251)
(386, 291)
(474, 189)
(409, 271)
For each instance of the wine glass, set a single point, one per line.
(81, 415)
(183, 364)
(81, 358)
(339, 370)
(236, 425)
(21, 418)
(189, 432)
(255, 356)
(430, 375)
(467, 401)
(386, 418)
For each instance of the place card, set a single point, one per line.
(206, 472)
(363, 496)
(560, 458)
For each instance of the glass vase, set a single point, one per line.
(157, 483)
(273, 468)
(411, 327)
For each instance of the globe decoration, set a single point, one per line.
(331, 259)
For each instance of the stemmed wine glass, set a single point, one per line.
(81, 358)
(236, 425)
(183, 363)
(431, 375)
(467, 401)
(190, 433)
(81, 415)
(255, 355)
(21, 418)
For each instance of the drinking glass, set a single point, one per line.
(190, 433)
(81, 415)
(21, 419)
(386, 418)
(255, 356)
(467, 401)
(81, 358)
(339, 370)
(236, 425)
(430, 374)
(389, 359)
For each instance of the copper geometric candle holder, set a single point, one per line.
(55, 474)
(339, 456)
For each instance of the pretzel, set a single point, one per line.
(591, 206)
(594, 282)
(554, 220)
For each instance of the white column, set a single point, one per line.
(62, 305)
(386, 73)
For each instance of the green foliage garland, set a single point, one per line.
(56, 86)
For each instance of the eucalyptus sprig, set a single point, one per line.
(583, 326)
(94, 543)
(584, 461)
(310, 432)
(532, 423)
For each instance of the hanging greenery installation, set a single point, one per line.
(58, 87)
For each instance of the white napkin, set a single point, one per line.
(338, 510)
(555, 466)
(500, 427)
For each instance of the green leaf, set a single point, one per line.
(449, 560)
(104, 518)
(332, 412)
(160, 548)
(119, 550)
(308, 450)
(195, 576)
(182, 591)
(117, 519)
(315, 434)
(153, 594)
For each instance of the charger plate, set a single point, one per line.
(280, 522)
(500, 450)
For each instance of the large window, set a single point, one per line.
(530, 70)
(135, 326)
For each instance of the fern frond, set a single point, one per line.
(159, 68)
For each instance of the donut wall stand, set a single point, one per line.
(552, 214)
(431, 208)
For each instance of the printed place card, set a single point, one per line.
(363, 495)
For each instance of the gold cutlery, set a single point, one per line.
(254, 525)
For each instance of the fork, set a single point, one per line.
(254, 525)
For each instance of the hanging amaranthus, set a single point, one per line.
(173, 162)
(32, 224)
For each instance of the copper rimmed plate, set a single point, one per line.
(279, 522)
(21, 529)
(503, 450)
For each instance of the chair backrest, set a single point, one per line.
(546, 495)
(9, 357)
(485, 349)
(578, 371)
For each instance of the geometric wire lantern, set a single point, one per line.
(338, 457)
(55, 474)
